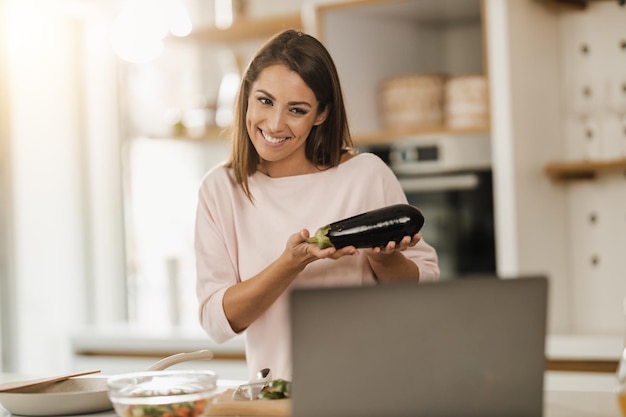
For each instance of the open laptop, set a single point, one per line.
(467, 347)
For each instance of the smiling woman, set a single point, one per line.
(290, 146)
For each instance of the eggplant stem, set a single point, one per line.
(320, 238)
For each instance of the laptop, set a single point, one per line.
(465, 347)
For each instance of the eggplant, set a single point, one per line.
(371, 229)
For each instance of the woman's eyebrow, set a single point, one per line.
(267, 93)
(300, 103)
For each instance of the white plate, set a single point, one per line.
(72, 396)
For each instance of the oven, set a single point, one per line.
(449, 178)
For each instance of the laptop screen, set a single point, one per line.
(466, 347)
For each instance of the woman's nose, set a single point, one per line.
(276, 120)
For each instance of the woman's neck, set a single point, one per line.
(282, 169)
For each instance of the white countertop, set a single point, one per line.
(130, 339)
(125, 338)
(591, 347)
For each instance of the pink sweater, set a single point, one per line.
(236, 239)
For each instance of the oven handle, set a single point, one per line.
(458, 182)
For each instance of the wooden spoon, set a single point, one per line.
(10, 386)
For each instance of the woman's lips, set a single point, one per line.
(271, 139)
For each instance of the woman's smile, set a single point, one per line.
(272, 139)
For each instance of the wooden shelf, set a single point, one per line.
(387, 136)
(212, 134)
(246, 29)
(585, 365)
(582, 170)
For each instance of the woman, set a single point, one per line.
(292, 169)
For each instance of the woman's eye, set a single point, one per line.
(265, 100)
(299, 111)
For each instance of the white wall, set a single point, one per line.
(6, 282)
(60, 139)
(530, 211)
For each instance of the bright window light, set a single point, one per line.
(138, 31)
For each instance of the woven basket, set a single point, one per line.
(413, 101)
(467, 102)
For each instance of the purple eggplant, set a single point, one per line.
(371, 229)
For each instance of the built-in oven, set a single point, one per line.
(449, 178)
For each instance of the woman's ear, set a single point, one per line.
(321, 117)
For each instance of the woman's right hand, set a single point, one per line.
(305, 253)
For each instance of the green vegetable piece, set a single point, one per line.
(271, 395)
(320, 238)
(280, 385)
(275, 390)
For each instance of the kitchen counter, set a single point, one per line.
(580, 394)
(590, 353)
(124, 348)
(124, 339)
(127, 338)
(591, 395)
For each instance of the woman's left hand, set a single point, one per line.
(405, 243)
(389, 264)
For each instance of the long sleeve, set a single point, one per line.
(215, 259)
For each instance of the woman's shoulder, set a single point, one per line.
(366, 160)
(218, 176)
(370, 173)
(218, 170)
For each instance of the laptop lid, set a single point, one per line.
(468, 347)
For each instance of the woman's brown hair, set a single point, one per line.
(306, 56)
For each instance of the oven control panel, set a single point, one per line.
(438, 154)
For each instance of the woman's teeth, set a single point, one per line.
(272, 139)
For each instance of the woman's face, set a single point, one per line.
(282, 109)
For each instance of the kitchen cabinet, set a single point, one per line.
(371, 41)
(557, 109)
(594, 93)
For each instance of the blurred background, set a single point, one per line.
(111, 111)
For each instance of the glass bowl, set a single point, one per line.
(162, 393)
